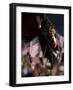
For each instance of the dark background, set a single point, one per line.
(30, 25)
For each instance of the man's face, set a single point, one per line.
(52, 32)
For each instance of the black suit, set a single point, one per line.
(46, 41)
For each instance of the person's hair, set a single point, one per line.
(51, 27)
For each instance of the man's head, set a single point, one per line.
(52, 31)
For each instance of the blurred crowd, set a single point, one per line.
(35, 64)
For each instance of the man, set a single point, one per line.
(54, 45)
(51, 42)
(54, 50)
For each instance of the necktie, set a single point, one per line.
(54, 41)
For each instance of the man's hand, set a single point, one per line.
(39, 19)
